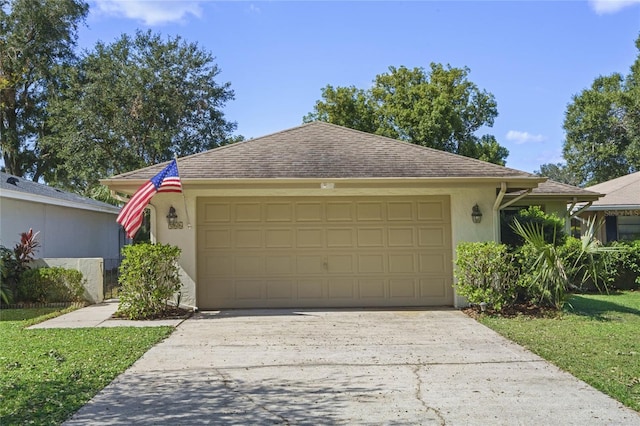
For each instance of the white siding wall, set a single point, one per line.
(64, 232)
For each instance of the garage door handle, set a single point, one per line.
(325, 264)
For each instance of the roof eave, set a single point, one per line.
(521, 182)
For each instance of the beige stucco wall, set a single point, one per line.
(91, 269)
(463, 198)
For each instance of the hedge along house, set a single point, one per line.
(324, 216)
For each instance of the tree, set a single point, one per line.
(602, 127)
(439, 108)
(36, 36)
(558, 172)
(135, 102)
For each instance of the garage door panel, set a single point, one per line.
(283, 265)
(216, 213)
(434, 287)
(279, 212)
(340, 237)
(249, 290)
(370, 211)
(400, 211)
(309, 212)
(340, 263)
(312, 264)
(402, 263)
(249, 265)
(371, 237)
(218, 265)
(432, 237)
(433, 211)
(310, 238)
(329, 251)
(280, 290)
(248, 238)
(402, 288)
(401, 237)
(339, 211)
(311, 289)
(433, 263)
(248, 212)
(371, 263)
(341, 288)
(279, 238)
(372, 288)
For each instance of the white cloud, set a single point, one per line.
(151, 12)
(602, 7)
(254, 9)
(523, 137)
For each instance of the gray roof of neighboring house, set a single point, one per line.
(323, 150)
(551, 187)
(622, 192)
(34, 191)
(557, 190)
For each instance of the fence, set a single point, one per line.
(110, 278)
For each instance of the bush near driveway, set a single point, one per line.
(46, 375)
(149, 278)
(595, 338)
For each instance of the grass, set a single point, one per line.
(46, 375)
(596, 338)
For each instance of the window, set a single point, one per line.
(628, 228)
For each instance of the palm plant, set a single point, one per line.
(590, 263)
(546, 270)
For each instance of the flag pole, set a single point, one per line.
(184, 199)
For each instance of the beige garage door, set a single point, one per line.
(324, 252)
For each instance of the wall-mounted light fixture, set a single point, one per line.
(172, 219)
(476, 214)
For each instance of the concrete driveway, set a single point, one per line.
(345, 367)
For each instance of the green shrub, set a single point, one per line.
(485, 272)
(50, 285)
(149, 277)
(626, 263)
(552, 226)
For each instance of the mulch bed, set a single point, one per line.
(518, 310)
(170, 312)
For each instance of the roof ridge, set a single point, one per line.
(427, 148)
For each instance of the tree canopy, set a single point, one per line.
(36, 36)
(135, 102)
(439, 108)
(602, 125)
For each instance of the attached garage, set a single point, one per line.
(324, 252)
(324, 216)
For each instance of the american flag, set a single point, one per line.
(167, 180)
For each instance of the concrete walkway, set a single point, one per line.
(373, 367)
(99, 315)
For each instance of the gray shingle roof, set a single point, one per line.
(323, 150)
(622, 191)
(551, 187)
(9, 182)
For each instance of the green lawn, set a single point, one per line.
(597, 339)
(46, 375)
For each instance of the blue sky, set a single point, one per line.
(533, 56)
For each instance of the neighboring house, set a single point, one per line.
(69, 226)
(619, 208)
(565, 201)
(325, 216)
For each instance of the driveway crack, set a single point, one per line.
(227, 382)
(418, 395)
